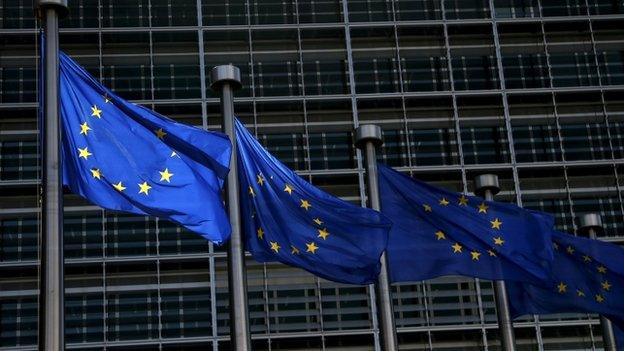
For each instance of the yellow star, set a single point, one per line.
(288, 189)
(562, 288)
(305, 204)
(427, 208)
(260, 233)
(251, 191)
(570, 250)
(475, 255)
(106, 99)
(580, 293)
(463, 200)
(602, 269)
(323, 233)
(555, 246)
(165, 175)
(275, 247)
(496, 224)
(174, 154)
(294, 250)
(599, 298)
(444, 202)
(84, 128)
(491, 253)
(84, 153)
(96, 112)
(119, 186)
(318, 221)
(440, 235)
(160, 133)
(606, 285)
(457, 248)
(499, 241)
(586, 258)
(144, 188)
(96, 173)
(311, 247)
(260, 179)
(483, 208)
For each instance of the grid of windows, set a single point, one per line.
(528, 89)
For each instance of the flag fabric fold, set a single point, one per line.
(589, 278)
(125, 157)
(436, 232)
(287, 219)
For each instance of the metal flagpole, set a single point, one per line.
(367, 138)
(226, 79)
(51, 290)
(590, 223)
(486, 185)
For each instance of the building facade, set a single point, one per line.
(531, 90)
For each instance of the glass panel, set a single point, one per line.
(84, 318)
(19, 240)
(415, 10)
(18, 316)
(516, 8)
(174, 13)
(132, 315)
(131, 13)
(224, 12)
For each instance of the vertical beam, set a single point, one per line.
(591, 223)
(368, 137)
(487, 185)
(51, 291)
(226, 79)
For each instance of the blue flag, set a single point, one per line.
(437, 232)
(287, 219)
(124, 157)
(589, 278)
(618, 330)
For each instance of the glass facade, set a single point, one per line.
(528, 89)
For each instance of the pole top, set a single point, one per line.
(59, 5)
(486, 182)
(220, 75)
(368, 133)
(589, 221)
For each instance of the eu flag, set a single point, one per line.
(287, 219)
(589, 278)
(437, 232)
(124, 157)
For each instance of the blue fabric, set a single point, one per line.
(166, 169)
(589, 278)
(287, 219)
(618, 330)
(436, 232)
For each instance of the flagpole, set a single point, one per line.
(590, 223)
(367, 138)
(51, 290)
(226, 79)
(486, 185)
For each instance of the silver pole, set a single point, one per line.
(226, 79)
(51, 290)
(591, 223)
(486, 185)
(367, 138)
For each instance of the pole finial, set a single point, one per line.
(589, 221)
(368, 132)
(222, 74)
(486, 182)
(59, 5)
